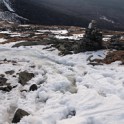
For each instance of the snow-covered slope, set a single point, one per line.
(8, 13)
(69, 90)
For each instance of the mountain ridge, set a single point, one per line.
(56, 12)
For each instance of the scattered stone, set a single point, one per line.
(19, 114)
(71, 114)
(33, 87)
(14, 62)
(6, 89)
(33, 66)
(15, 86)
(10, 72)
(2, 75)
(5, 60)
(24, 77)
(14, 76)
(2, 81)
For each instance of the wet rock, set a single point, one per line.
(19, 114)
(24, 77)
(33, 87)
(2, 81)
(10, 72)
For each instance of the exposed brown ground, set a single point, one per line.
(112, 57)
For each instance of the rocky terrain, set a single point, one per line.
(48, 75)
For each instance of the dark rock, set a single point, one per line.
(10, 72)
(2, 75)
(6, 89)
(33, 66)
(24, 77)
(2, 81)
(19, 114)
(33, 87)
(23, 91)
(71, 114)
(14, 76)
(5, 60)
(14, 62)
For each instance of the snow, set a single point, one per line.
(54, 31)
(69, 90)
(74, 37)
(107, 37)
(7, 4)
(62, 34)
(106, 19)
(2, 40)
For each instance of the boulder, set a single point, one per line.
(6, 89)
(33, 87)
(2, 81)
(24, 77)
(19, 114)
(2, 75)
(10, 72)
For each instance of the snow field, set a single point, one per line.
(69, 90)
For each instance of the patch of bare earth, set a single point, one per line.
(112, 57)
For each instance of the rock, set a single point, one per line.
(2, 81)
(71, 114)
(2, 75)
(5, 60)
(10, 72)
(24, 77)
(19, 114)
(33, 87)
(14, 76)
(32, 66)
(6, 89)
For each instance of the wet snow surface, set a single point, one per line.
(69, 90)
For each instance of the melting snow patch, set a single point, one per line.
(54, 31)
(74, 37)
